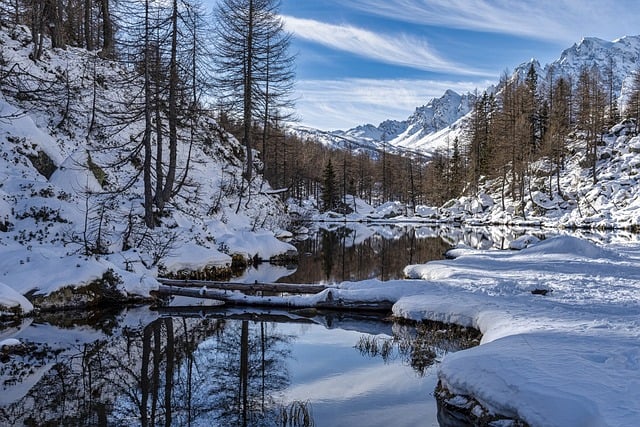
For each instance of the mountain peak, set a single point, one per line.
(434, 122)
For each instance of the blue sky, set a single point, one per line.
(364, 61)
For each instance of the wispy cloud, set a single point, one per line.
(554, 20)
(343, 104)
(402, 49)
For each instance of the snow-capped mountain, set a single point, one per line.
(434, 126)
(617, 60)
(429, 120)
(421, 133)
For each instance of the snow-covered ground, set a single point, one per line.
(570, 357)
(71, 203)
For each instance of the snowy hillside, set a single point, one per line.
(612, 202)
(71, 194)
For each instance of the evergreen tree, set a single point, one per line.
(456, 171)
(330, 194)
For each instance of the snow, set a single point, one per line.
(71, 200)
(10, 342)
(44, 270)
(74, 174)
(570, 358)
(194, 257)
(262, 245)
(9, 298)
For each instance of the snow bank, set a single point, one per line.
(10, 300)
(43, 271)
(570, 358)
(262, 244)
(195, 257)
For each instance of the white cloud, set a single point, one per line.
(364, 382)
(556, 20)
(403, 49)
(343, 104)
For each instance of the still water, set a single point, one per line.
(185, 367)
(354, 251)
(193, 365)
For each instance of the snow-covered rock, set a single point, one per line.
(12, 303)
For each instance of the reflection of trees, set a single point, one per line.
(421, 345)
(329, 243)
(246, 386)
(229, 377)
(339, 256)
(333, 249)
(173, 371)
(296, 414)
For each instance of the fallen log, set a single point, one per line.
(235, 298)
(290, 288)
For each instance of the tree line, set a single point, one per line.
(528, 121)
(303, 168)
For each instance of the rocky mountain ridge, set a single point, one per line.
(433, 126)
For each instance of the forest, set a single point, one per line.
(180, 71)
(234, 66)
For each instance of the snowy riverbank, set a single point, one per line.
(570, 358)
(567, 358)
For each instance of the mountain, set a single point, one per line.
(617, 60)
(423, 133)
(435, 125)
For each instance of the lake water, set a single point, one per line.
(354, 251)
(207, 367)
(223, 368)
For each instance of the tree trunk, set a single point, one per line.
(108, 50)
(88, 35)
(248, 98)
(173, 109)
(148, 190)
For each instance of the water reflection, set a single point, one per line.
(219, 368)
(352, 254)
(354, 251)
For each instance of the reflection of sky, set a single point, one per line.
(346, 388)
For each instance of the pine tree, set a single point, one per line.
(330, 194)
(456, 171)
